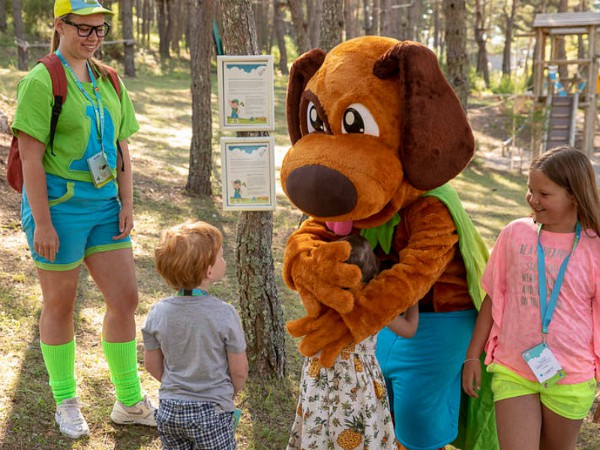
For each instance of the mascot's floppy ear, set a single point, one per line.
(437, 141)
(300, 73)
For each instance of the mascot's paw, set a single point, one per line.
(325, 277)
(301, 327)
(312, 305)
(331, 351)
(327, 334)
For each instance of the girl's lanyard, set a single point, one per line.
(547, 307)
(192, 293)
(98, 106)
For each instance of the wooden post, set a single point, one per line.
(590, 112)
(538, 85)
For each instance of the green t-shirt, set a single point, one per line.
(77, 137)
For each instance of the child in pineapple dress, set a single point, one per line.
(345, 406)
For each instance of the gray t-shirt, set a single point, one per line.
(194, 335)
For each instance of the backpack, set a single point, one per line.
(14, 167)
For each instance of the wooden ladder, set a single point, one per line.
(561, 122)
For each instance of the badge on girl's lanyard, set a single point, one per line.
(540, 358)
(98, 164)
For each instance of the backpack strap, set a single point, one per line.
(114, 79)
(59, 90)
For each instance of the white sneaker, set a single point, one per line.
(142, 413)
(70, 420)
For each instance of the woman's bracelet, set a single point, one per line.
(468, 360)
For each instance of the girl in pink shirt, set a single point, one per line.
(543, 346)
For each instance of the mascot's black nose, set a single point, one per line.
(320, 191)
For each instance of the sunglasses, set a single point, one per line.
(84, 30)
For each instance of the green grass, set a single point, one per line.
(160, 154)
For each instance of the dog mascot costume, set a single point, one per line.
(376, 134)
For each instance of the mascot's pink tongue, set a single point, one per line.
(340, 228)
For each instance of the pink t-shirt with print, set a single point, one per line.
(511, 281)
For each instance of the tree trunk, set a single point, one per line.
(300, 27)
(260, 310)
(436, 28)
(148, 14)
(385, 17)
(260, 13)
(138, 20)
(561, 52)
(280, 33)
(22, 52)
(375, 9)
(315, 12)
(177, 19)
(170, 14)
(162, 17)
(480, 33)
(129, 46)
(332, 24)
(368, 17)
(457, 61)
(201, 13)
(581, 51)
(349, 19)
(510, 20)
(144, 26)
(3, 24)
(414, 25)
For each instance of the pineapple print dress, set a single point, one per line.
(345, 406)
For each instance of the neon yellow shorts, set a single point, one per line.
(572, 401)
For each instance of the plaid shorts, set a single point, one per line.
(188, 425)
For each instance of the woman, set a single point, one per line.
(77, 207)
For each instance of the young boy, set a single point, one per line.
(194, 343)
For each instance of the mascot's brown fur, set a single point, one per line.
(374, 124)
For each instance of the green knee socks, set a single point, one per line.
(60, 364)
(122, 363)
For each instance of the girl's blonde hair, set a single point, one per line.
(185, 252)
(97, 67)
(572, 170)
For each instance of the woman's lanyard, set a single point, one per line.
(191, 293)
(547, 307)
(98, 107)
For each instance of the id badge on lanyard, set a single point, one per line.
(101, 173)
(540, 359)
(544, 364)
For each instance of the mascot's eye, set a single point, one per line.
(315, 124)
(358, 119)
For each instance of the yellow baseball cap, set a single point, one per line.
(79, 7)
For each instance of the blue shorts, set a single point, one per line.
(184, 425)
(423, 377)
(84, 225)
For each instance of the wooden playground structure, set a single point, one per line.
(557, 97)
